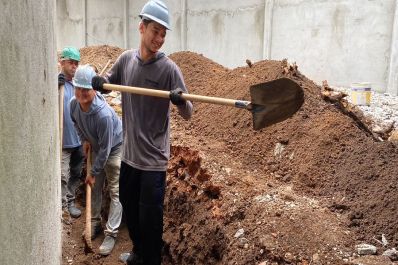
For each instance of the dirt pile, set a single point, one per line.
(98, 56)
(303, 191)
(325, 152)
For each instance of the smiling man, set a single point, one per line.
(146, 131)
(100, 129)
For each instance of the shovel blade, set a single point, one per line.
(275, 101)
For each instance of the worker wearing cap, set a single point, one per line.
(72, 155)
(146, 131)
(100, 130)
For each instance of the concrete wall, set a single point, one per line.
(30, 227)
(341, 41)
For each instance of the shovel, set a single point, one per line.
(88, 245)
(271, 102)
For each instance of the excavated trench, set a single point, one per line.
(303, 191)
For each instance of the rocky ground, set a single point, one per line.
(307, 190)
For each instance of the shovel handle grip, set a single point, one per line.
(166, 94)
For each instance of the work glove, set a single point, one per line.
(61, 80)
(98, 84)
(175, 96)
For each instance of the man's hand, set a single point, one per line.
(61, 80)
(175, 96)
(86, 148)
(90, 180)
(98, 83)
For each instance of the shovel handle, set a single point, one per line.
(103, 69)
(61, 116)
(88, 197)
(166, 94)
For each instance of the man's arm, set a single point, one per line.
(105, 134)
(73, 104)
(185, 107)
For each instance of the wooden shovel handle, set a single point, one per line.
(61, 116)
(165, 94)
(103, 69)
(88, 198)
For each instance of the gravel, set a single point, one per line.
(383, 107)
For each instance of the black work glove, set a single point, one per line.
(61, 80)
(98, 84)
(175, 96)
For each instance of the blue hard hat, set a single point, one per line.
(157, 11)
(83, 76)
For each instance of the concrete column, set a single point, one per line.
(184, 29)
(392, 86)
(268, 16)
(85, 30)
(126, 24)
(30, 207)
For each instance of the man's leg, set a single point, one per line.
(76, 163)
(151, 215)
(112, 170)
(96, 201)
(129, 187)
(65, 173)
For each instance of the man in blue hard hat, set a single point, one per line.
(146, 131)
(100, 130)
(72, 155)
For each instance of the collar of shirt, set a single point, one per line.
(158, 55)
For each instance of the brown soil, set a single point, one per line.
(304, 191)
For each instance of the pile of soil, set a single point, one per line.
(303, 191)
(100, 56)
(325, 152)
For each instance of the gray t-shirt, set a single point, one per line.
(100, 126)
(146, 121)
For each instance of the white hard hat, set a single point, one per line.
(83, 76)
(157, 11)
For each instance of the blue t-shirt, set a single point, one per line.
(70, 138)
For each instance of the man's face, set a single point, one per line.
(69, 68)
(84, 96)
(153, 36)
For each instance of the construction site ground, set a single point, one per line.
(304, 191)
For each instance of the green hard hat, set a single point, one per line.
(70, 53)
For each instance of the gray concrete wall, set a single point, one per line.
(342, 41)
(227, 31)
(70, 23)
(30, 227)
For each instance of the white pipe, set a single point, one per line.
(126, 24)
(267, 37)
(392, 84)
(184, 26)
(85, 23)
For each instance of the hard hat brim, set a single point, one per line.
(150, 17)
(88, 87)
